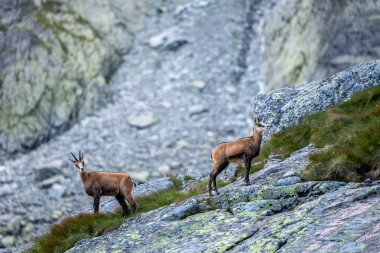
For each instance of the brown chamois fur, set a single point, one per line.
(239, 151)
(99, 183)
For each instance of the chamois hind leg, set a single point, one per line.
(126, 189)
(213, 175)
(132, 202)
(211, 179)
(120, 198)
(247, 163)
(220, 168)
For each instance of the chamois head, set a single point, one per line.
(79, 163)
(259, 125)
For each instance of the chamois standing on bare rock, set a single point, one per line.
(99, 183)
(239, 151)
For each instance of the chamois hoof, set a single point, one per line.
(247, 183)
(217, 193)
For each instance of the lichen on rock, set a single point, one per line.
(59, 67)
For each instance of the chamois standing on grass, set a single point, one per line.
(239, 151)
(99, 183)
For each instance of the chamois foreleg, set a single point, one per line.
(120, 198)
(247, 163)
(96, 203)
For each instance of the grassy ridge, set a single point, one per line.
(352, 133)
(63, 235)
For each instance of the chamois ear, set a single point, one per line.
(256, 121)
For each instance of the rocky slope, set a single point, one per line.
(308, 40)
(277, 213)
(56, 57)
(186, 84)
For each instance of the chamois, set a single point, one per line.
(99, 183)
(238, 151)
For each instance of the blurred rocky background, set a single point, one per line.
(148, 87)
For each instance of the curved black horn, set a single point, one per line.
(74, 157)
(80, 155)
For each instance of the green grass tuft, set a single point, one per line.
(352, 132)
(175, 180)
(188, 178)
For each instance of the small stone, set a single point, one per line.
(7, 189)
(47, 170)
(289, 181)
(170, 39)
(368, 181)
(8, 241)
(5, 174)
(143, 120)
(197, 109)
(291, 173)
(182, 144)
(56, 214)
(174, 165)
(51, 181)
(28, 228)
(140, 176)
(198, 84)
(56, 191)
(164, 168)
(231, 89)
(14, 225)
(274, 157)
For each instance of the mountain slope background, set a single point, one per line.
(189, 73)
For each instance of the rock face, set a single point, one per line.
(288, 106)
(262, 217)
(56, 58)
(309, 40)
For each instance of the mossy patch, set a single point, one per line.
(351, 133)
(3, 28)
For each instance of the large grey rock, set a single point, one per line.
(288, 106)
(56, 59)
(186, 225)
(311, 39)
(261, 217)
